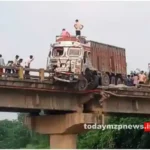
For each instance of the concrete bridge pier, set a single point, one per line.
(63, 129)
(63, 141)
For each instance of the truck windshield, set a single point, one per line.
(74, 52)
(57, 51)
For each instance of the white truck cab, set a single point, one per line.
(69, 58)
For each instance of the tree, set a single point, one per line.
(14, 135)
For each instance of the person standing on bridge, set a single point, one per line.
(19, 64)
(78, 26)
(2, 64)
(27, 65)
(142, 78)
(8, 71)
(15, 63)
(135, 79)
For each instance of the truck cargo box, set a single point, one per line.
(108, 58)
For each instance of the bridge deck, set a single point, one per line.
(20, 94)
(126, 100)
(43, 82)
(45, 86)
(141, 91)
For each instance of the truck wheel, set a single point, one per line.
(113, 80)
(95, 82)
(105, 80)
(119, 81)
(82, 84)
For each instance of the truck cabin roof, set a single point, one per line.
(81, 39)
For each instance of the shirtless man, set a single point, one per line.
(142, 78)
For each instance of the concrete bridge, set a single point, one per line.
(66, 110)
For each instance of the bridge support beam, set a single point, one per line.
(63, 129)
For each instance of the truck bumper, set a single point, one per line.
(64, 80)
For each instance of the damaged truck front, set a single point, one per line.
(70, 60)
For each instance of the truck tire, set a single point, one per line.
(82, 84)
(95, 82)
(113, 80)
(105, 80)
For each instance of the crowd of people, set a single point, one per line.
(18, 62)
(136, 78)
(131, 80)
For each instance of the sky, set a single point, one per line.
(30, 27)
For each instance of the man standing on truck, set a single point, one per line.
(65, 33)
(78, 27)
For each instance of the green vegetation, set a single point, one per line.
(14, 135)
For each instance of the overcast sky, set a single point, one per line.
(29, 27)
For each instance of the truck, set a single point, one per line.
(110, 61)
(86, 64)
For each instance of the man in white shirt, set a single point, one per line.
(8, 71)
(16, 59)
(78, 27)
(27, 65)
(19, 64)
(15, 63)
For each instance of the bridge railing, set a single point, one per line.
(20, 73)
